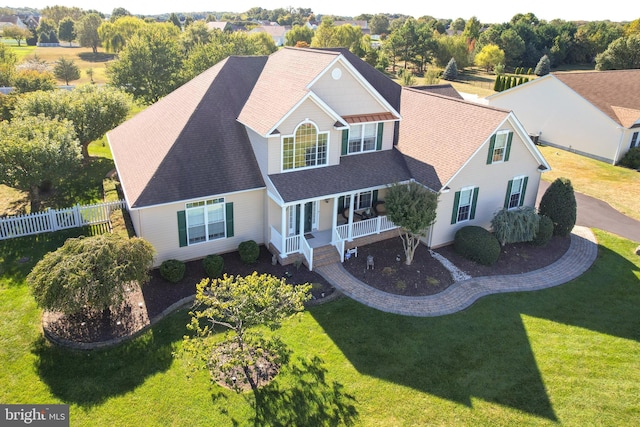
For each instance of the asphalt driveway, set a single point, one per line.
(594, 213)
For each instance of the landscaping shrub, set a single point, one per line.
(249, 251)
(515, 225)
(559, 204)
(172, 270)
(477, 244)
(545, 231)
(213, 265)
(631, 160)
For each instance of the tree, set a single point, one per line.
(173, 18)
(451, 70)
(490, 56)
(195, 34)
(515, 225)
(66, 69)
(36, 150)
(325, 34)
(92, 110)
(559, 204)
(88, 31)
(44, 29)
(8, 60)
(412, 207)
(28, 80)
(118, 12)
(16, 33)
(90, 273)
(544, 66)
(67, 30)
(240, 305)
(299, 33)
(622, 54)
(149, 67)
(379, 24)
(115, 35)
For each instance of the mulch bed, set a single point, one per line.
(425, 276)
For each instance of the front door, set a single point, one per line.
(311, 215)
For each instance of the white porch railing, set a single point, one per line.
(365, 228)
(338, 243)
(292, 245)
(60, 219)
(307, 252)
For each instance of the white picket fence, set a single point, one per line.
(60, 219)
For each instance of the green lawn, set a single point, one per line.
(563, 356)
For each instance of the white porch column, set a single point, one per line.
(334, 220)
(283, 231)
(301, 220)
(351, 202)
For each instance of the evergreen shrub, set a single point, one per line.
(477, 244)
(172, 270)
(249, 251)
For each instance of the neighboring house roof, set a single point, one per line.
(272, 30)
(439, 134)
(217, 25)
(189, 144)
(615, 93)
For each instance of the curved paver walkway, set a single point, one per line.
(581, 254)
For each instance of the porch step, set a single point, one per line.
(325, 255)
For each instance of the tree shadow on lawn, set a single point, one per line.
(300, 395)
(484, 351)
(89, 378)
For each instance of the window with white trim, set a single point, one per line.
(464, 204)
(205, 220)
(362, 138)
(363, 200)
(305, 148)
(635, 140)
(500, 146)
(516, 193)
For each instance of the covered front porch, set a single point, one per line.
(327, 226)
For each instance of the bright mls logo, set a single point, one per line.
(37, 415)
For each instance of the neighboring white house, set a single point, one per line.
(277, 32)
(596, 114)
(297, 150)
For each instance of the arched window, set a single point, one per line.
(305, 148)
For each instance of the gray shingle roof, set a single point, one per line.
(189, 144)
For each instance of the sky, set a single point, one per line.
(490, 11)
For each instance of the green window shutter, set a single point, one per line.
(456, 204)
(345, 141)
(508, 149)
(379, 136)
(492, 145)
(374, 197)
(507, 197)
(182, 229)
(229, 217)
(474, 203)
(524, 189)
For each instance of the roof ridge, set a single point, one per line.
(463, 101)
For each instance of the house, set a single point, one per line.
(219, 25)
(596, 114)
(277, 32)
(296, 151)
(13, 21)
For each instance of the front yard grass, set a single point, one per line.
(615, 185)
(569, 355)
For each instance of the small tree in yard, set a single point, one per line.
(451, 70)
(412, 207)
(240, 305)
(66, 69)
(515, 225)
(90, 272)
(544, 66)
(559, 204)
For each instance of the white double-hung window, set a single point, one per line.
(205, 220)
(362, 138)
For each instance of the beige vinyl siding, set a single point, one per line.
(346, 95)
(565, 119)
(492, 181)
(161, 227)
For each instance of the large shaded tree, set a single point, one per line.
(92, 110)
(35, 151)
(239, 306)
(67, 30)
(16, 33)
(412, 207)
(622, 54)
(90, 273)
(149, 67)
(87, 31)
